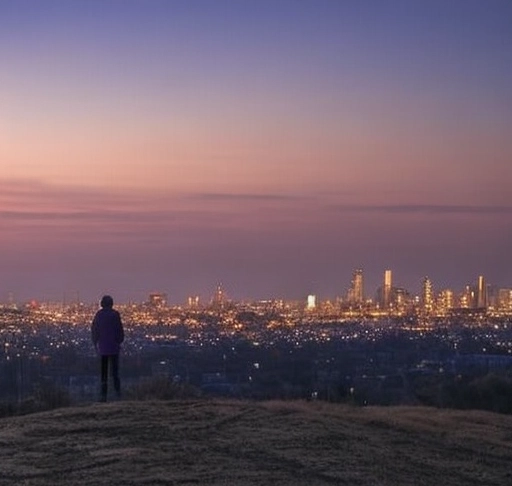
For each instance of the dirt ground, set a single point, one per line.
(255, 443)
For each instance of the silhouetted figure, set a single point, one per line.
(107, 335)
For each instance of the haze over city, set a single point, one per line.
(271, 146)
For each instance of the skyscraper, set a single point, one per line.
(356, 292)
(386, 290)
(481, 296)
(219, 298)
(311, 302)
(446, 300)
(427, 295)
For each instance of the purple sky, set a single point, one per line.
(272, 146)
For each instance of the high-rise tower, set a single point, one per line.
(356, 293)
(481, 296)
(387, 288)
(446, 300)
(427, 295)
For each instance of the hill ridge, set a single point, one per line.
(229, 442)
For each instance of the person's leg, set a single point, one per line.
(115, 374)
(104, 378)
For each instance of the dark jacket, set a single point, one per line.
(107, 331)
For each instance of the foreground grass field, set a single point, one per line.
(246, 443)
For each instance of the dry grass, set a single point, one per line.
(246, 443)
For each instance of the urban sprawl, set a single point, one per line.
(438, 348)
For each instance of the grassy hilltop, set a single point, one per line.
(254, 443)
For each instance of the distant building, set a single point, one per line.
(446, 300)
(481, 301)
(356, 291)
(387, 289)
(311, 302)
(401, 299)
(467, 298)
(157, 300)
(193, 301)
(505, 299)
(427, 296)
(219, 294)
(219, 299)
(493, 296)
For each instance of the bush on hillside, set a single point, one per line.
(46, 396)
(490, 392)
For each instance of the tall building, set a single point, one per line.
(219, 298)
(356, 292)
(505, 299)
(467, 298)
(311, 302)
(387, 289)
(158, 299)
(193, 301)
(427, 295)
(481, 293)
(446, 300)
(401, 300)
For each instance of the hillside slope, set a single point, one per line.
(246, 443)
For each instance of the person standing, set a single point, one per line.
(107, 335)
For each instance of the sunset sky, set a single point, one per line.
(272, 146)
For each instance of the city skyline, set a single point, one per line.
(270, 146)
(356, 292)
